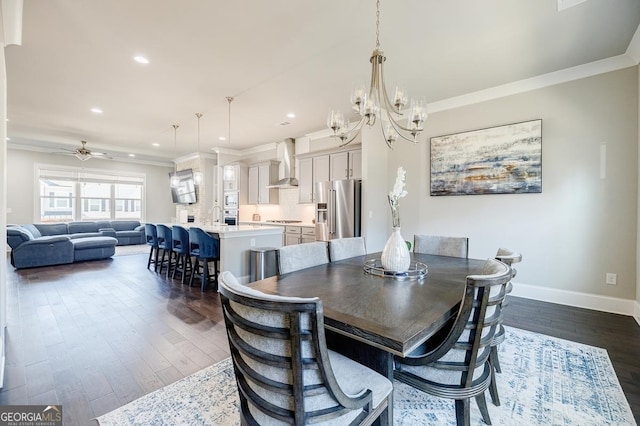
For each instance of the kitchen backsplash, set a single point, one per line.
(288, 209)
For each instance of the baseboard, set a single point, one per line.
(580, 300)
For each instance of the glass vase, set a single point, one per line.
(395, 256)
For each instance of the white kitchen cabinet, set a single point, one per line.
(260, 176)
(299, 234)
(346, 165)
(305, 180)
(320, 171)
(230, 177)
(308, 235)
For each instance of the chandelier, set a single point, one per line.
(369, 103)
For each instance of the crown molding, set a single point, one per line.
(614, 63)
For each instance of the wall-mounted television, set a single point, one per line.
(185, 192)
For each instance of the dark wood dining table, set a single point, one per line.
(371, 318)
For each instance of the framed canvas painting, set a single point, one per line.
(498, 160)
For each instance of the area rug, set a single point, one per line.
(545, 381)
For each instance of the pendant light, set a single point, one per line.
(175, 180)
(197, 175)
(229, 100)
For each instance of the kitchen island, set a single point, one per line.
(236, 243)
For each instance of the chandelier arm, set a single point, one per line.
(384, 135)
(387, 103)
(397, 127)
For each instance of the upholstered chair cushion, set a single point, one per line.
(441, 246)
(344, 248)
(301, 256)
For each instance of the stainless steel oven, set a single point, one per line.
(230, 200)
(230, 217)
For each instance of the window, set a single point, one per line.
(68, 195)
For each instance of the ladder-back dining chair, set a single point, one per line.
(456, 366)
(300, 256)
(284, 372)
(509, 258)
(441, 246)
(344, 248)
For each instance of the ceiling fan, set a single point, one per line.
(83, 153)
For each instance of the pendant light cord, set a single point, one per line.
(229, 100)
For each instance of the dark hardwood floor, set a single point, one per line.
(95, 335)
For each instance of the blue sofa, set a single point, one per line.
(58, 243)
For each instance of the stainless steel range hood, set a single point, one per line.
(285, 150)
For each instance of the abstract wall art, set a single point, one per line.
(498, 160)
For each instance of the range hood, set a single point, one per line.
(287, 162)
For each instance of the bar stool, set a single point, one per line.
(164, 246)
(151, 235)
(204, 248)
(180, 248)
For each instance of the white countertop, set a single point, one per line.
(264, 223)
(229, 231)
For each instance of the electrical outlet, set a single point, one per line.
(611, 279)
(252, 243)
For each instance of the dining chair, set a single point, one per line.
(284, 372)
(164, 246)
(441, 246)
(151, 237)
(455, 365)
(180, 252)
(344, 248)
(509, 258)
(300, 256)
(204, 248)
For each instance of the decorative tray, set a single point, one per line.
(416, 271)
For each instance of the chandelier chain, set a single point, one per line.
(377, 24)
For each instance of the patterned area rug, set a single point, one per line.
(545, 381)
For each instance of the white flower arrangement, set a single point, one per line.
(394, 196)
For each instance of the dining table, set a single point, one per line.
(372, 317)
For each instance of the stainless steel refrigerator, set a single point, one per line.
(338, 213)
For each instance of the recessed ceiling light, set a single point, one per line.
(96, 110)
(132, 155)
(291, 115)
(141, 59)
(155, 144)
(222, 138)
(8, 139)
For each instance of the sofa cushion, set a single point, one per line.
(82, 227)
(102, 224)
(85, 235)
(33, 230)
(47, 229)
(93, 242)
(124, 225)
(17, 235)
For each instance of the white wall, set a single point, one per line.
(22, 190)
(581, 226)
